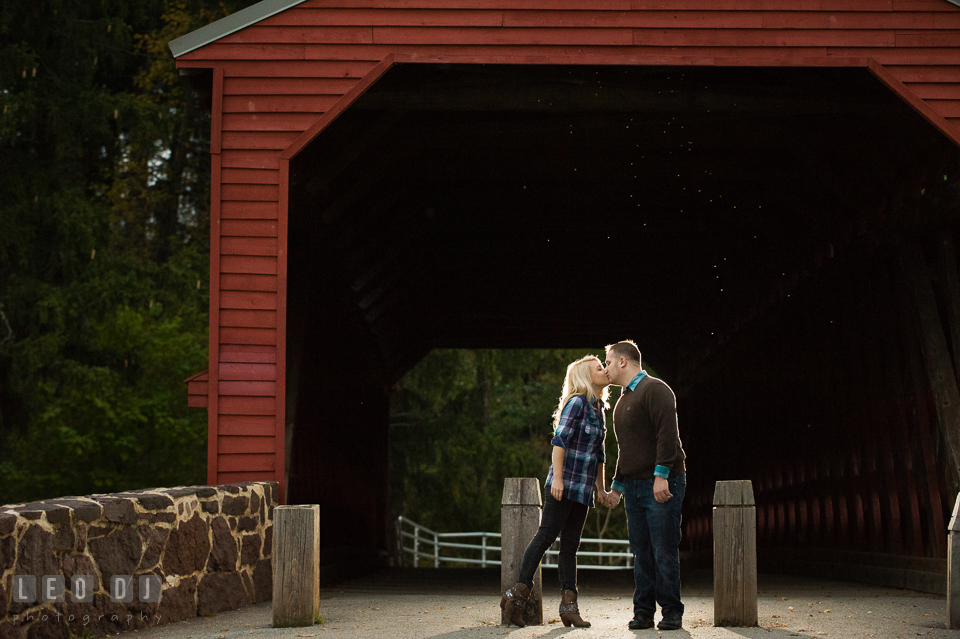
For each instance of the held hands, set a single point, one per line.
(609, 499)
(661, 492)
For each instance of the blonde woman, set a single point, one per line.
(577, 468)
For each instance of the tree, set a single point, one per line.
(103, 247)
(462, 420)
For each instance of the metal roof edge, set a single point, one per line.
(230, 24)
(956, 2)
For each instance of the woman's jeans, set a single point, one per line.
(564, 518)
(654, 531)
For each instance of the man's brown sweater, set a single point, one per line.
(645, 422)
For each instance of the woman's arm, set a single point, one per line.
(556, 486)
(601, 481)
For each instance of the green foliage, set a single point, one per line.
(463, 420)
(103, 247)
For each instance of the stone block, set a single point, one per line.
(81, 530)
(155, 501)
(250, 550)
(63, 538)
(49, 628)
(118, 553)
(187, 548)
(270, 492)
(8, 552)
(206, 491)
(247, 524)
(8, 523)
(223, 556)
(120, 511)
(93, 532)
(248, 586)
(35, 556)
(156, 539)
(82, 510)
(164, 517)
(175, 493)
(180, 602)
(105, 616)
(219, 591)
(211, 507)
(79, 565)
(263, 580)
(9, 630)
(236, 505)
(59, 515)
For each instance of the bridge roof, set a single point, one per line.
(231, 24)
(252, 15)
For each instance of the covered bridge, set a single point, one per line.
(762, 193)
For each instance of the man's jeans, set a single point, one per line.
(654, 531)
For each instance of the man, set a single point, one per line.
(651, 478)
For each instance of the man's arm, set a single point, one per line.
(663, 413)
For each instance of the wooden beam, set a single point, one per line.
(280, 426)
(947, 266)
(337, 109)
(365, 140)
(951, 132)
(216, 112)
(213, 343)
(939, 370)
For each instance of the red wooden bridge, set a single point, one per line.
(762, 193)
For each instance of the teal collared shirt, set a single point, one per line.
(636, 380)
(659, 471)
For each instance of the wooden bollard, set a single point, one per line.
(953, 569)
(734, 554)
(296, 565)
(519, 521)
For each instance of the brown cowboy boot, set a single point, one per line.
(570, 611)
(513, 602)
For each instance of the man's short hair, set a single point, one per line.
(627, 348)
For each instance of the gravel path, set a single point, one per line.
(459, 606)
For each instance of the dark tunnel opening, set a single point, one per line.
(746, 226)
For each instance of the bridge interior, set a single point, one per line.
(768, 236)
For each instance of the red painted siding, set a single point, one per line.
(198, 390)
(278, 82)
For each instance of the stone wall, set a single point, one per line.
(210, 546)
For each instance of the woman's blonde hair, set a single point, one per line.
(577, 382)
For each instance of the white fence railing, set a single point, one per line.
(424, 545)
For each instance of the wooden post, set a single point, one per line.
(953, 569)
(519, 521)
(734, 554)
(296, 565)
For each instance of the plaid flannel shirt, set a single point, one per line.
(581, 432)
